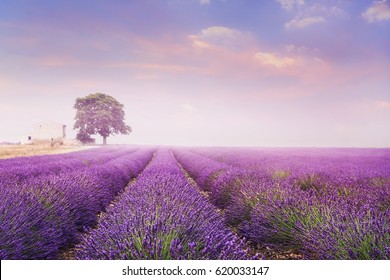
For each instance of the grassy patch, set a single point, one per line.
(280, 174)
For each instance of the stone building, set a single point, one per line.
(46, 132)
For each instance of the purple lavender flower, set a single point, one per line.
(162, 210)
(44, 210)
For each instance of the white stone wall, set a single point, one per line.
(48, 131)
(26, 139)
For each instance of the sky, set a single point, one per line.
(296, 73)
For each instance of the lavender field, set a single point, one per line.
(173, 203)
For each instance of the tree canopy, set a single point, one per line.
(101, 114)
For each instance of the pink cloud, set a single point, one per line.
(4, 84)
(304, 69)
(256, 62)
(383, 105)
(174, 68)
(216, 51)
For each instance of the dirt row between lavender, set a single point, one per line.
(70, 253)
(262, 250)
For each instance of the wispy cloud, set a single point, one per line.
(298, 23)
(235, 53)
(4, 84)
(378, 11)
(7, 108)
(383, 104)
(59, 61)
(213, 51)
(221, 36)
(189, 108)
(274, 59)
(326, 11)
(204, 2)
(306, 15)
(165, 67)
(290, 4)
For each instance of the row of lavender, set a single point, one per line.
(326, 204)
(347, 163)
(46, 201)
(16, 170)
(161, 216)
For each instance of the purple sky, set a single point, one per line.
(203, 72)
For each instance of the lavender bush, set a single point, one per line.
(161, 216)
(44, 214)
(219, 180)
(17, 170)
(320, 203)
(326, 203)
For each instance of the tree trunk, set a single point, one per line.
(104, 140)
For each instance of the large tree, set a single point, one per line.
(101, 114)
